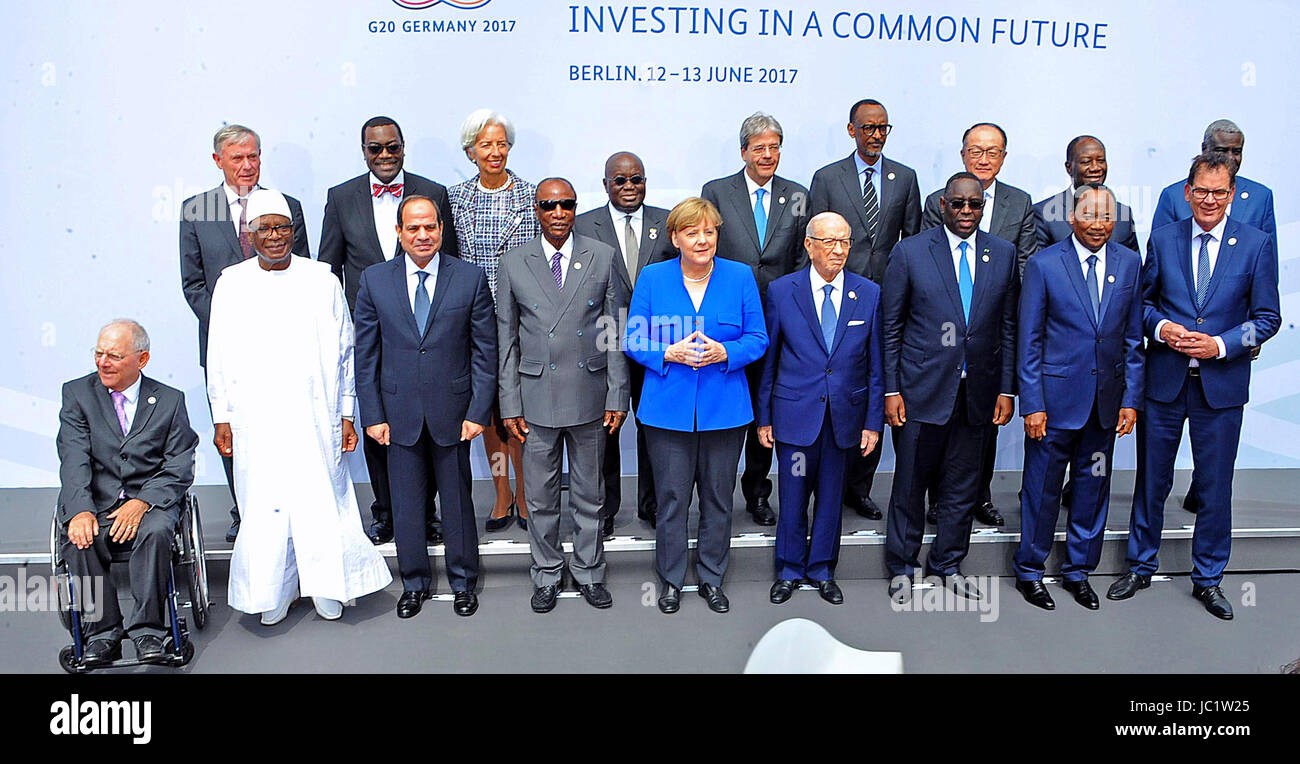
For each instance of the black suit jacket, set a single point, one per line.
(1013, 219)
(835, 188)
(1053, 225)
(348, 239)
(153, 462)
(781, 251)
(209, 244)
(655, 247)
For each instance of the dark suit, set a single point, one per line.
(1080, 370)
(424, 383)
(771, 255)
(1242, 307)
(837, 187)
(655, 247)
(818, 400)
(208, 244)
(349, 242)
(928, 341)
(1051, 220)
(100, 468)
(1013, 220)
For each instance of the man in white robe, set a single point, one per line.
(280, 380)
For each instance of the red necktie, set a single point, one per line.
(245, 242)
(394, 189)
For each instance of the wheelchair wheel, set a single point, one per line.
(187, 651)
(193, 557)
(58, 569)
(68, 662)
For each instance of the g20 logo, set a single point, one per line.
(419, 5)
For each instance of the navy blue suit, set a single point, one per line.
(1241, 307)
(927, 343)
(818, 401)
(424, 384)
(1080, 370)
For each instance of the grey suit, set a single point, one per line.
(655, 247)
(100, 468)
(561, 368)
(1013, 219)
(836, 188)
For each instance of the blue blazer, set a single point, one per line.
(1242, 307)
(1252, 204)
(800, 377)
(1069, 361)
(927, 338)
(438, 378)
(676, 396)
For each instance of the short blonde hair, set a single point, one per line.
(691, 212)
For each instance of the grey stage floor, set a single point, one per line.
(1162, 630)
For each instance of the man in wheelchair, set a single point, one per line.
(126, 460)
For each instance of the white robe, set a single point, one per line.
(280, 355)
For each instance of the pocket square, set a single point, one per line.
(856, 323)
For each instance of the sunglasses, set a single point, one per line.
(961, 204)
(376, 149)
(635, 180)
(548, 205)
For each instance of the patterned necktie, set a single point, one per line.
(828, 317)
(965, 282)
(556, 271)
(1094, 294)
(760, 217)
(1203, 269)
(421, 302)
(870, 204)
(119, 405)
(245, 242)
(380, 189)
(633, 248)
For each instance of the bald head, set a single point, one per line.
(828, 238)
(624, 181)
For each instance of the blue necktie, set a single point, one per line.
(421, 302)
(760, 217)
(965, 282)
(1093, 294)
(1203, 270)
(828, 317)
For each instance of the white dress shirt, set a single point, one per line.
(1084, 253)
(986, 219)
(819, 291)
(385, 211)
(620, 225)
(566, 254)
(954, 249)
(1216, 238)
(413, 280)
(232, 199)
(767, 197)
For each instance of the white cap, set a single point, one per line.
(265, 201)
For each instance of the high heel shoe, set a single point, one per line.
(523, 521)
(495, 524)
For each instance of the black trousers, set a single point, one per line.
(227, 462)
(409, 471)
(754, 482)
(613, 467)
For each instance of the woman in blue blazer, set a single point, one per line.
(695, 323)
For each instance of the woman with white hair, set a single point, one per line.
(493, 213)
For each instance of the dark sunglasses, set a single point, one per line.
(547, 205)
(620, 180)
(961, 204)
(376, 149)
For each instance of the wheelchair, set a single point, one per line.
(187, 559)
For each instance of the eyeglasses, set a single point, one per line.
(114, 357)
(1219, 194)
(635, 180)
(547, 205)
(284, 229)
(833, 243)
(975, 152)
(961, 204)
(869, 129)
(376, 149)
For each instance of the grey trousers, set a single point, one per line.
(705, 461)
(544, 450)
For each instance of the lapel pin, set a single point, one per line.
(577, 266)
(1110, 279)
(152, 400)
(853, 296)
(654, 234)
(890, 176)
(986, 258)
(1245, 194)
(781, 200)
(1232, 241)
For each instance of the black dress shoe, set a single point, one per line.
(495, 524)
(714, 596)
(670, 599)
(543, 600)
(1192, 502)
(1127, 585)
(233, 533)
(101, 651)
(1036, 594)
(410, 603)
(149, 648)
(761, 511)
(465, 603)
(523, 522)
(830, 591)
(1215, 603)
(960, 585)
(379, 533)
(781, 591)
(1083, 593)
(864, 506)
(649, 516)
(596, 595)
(607, 528)
(900, 589)
(432, 534)
(989, 515)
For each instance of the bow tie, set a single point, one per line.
(395, 189)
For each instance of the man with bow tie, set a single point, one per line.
(357, 232)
